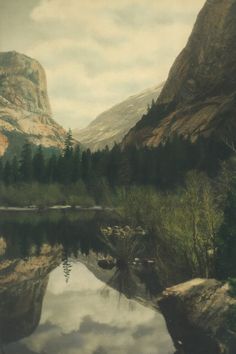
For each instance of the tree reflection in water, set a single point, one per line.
(126, 252)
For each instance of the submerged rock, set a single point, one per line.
(201, 317)
(106, 263)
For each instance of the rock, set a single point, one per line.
(25, 112)
(199, 97)
(23, 83)
(112, 125)
(106, 263)
(199, 315)
(123, 232)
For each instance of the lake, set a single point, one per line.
(55, 298)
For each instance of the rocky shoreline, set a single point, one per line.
(201, 317)
(54, 207)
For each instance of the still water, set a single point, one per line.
(54, 298)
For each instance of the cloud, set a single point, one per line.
(97, 53)
(142, 331)
(61, 10)
(90, 326)
(77, 318)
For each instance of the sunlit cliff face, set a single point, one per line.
(24, 104)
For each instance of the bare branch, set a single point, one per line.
(230, 144)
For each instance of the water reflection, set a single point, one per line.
(76, 317)
(79, 235)
(135, 275)
(23, 284)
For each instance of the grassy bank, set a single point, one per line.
(45, 195)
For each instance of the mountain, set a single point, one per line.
(112, 125)
(25, 112)
(199, 97)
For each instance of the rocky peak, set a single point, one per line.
(199, 95)
(23, 82)
(25, 113)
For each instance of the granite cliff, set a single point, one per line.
(199, 97)
(25, 112)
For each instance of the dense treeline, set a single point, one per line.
(164, 167)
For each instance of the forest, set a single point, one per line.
(164, 167)
(183, 194)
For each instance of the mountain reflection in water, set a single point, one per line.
(54, 298)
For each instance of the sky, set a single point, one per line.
(96, 53)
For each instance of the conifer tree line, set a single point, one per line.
(164, 167)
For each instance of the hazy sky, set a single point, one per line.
(97, 52)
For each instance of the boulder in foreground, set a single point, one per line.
(201, 317)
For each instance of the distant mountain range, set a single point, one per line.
(199, 97)
(25, 113)
(112, 125)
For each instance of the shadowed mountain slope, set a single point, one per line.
(199, 97)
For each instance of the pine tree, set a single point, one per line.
(26, 166)
(68, 149)
(76, 173)
(66, 264)
(114, 165)
(52, 170)
(15, 170)
(66, 167)
(39, 165)
(124, 172)
(7, 173)
(86, 166)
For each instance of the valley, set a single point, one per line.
(120, 237)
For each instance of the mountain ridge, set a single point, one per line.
(112, 125)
